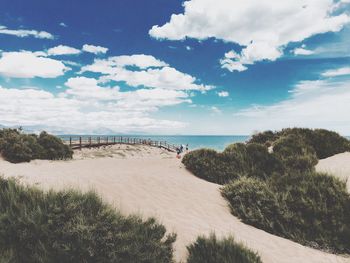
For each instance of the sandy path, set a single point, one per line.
(339, 165)
(160, 186)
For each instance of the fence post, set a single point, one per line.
(70, 141)
(114, 139)
(107, 139)
(80, 142)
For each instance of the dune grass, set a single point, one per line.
(212, 250)
(69, 226)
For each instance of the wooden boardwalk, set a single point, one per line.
(79, 142)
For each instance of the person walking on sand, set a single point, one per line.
(186, 147)
(178, 152)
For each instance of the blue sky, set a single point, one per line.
(172, 67)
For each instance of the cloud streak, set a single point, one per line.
(26, 33)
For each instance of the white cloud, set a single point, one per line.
(86, 107)
(337, 72)
(25, 33)
(189, 48)
(303, 51)
(62, 24)
(26, 64)
(149, 72)
(223, 94)
(95, 49)
(313, 104)
(262, 27)
(63, 50)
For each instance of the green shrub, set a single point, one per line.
(255, 203)
(325, 143)
(328, 143)
(310, 208)
(69, 226)
(209, 165)
(235, 161)
(211, 250)
(53, 148)
(16, 146)
(295, 153)
(266, 138)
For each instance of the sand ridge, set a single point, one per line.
(338, 165)
(152, 182)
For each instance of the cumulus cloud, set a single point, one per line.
(337, 72)
(62, 50)
(223, 93)
(26, 64)
(86, 107)
(62, 24)
(314, 104)
(261, 28)
(94, 49)
(148, 72)
(25, 33)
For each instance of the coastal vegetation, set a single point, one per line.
(271, 183)
(16, 146)
(325, 143)
(235, 161)
(209, 250)
(310, 208)
(69, 226)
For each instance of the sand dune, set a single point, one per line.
(338, 165)
(153, 182)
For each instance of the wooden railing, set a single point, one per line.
(79, 142)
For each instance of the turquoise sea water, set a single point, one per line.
(216, 142)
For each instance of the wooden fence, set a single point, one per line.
(79, 142)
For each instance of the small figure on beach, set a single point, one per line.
(178, 153)
(186, 147)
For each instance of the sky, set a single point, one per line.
(223, 67)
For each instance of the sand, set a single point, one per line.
(152, 182)
(338, 165)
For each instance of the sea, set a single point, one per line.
(216, 142)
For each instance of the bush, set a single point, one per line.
(266, 138)
(310, 208)
(325, 143)
(69, 226)
(211, 250)
(328, 143)
(295, 153)
(53, 148)
(16, 146)
(255, 203)
(235, 161)
(209, 165)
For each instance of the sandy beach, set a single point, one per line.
(152, 182)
